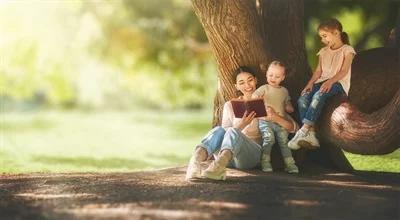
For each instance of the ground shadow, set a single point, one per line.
(164, 194)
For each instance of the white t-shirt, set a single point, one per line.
(332, 62)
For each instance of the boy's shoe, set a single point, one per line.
(217, 169)
(293, 143)
(310, 141)
(266, 163)
(290, 165)
(193, 170)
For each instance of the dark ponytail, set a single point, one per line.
(345, 37)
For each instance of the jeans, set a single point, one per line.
(212, 141)
(246, 152)
(311, 104)
(272, 132)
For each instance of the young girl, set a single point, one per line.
(331, 77)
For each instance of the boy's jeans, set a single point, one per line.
(246, 152)
(311, 104)
(272, 132)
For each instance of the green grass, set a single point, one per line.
(56, 141)
(79, 141)
(386, 163)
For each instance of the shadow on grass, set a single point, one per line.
(165, 195)
(84, 162)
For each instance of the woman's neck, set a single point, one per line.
(246, 97)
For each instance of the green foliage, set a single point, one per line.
(87, 53)
(368, 22)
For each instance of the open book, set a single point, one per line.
(240, 106)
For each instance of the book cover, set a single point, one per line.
(240, 106)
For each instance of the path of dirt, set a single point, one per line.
(163, 194)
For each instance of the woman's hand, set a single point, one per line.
(306, 89)
(246, 120)
(326, 86)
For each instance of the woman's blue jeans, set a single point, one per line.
(246, 152)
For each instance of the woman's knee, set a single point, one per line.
(232, 132)
(219, 130)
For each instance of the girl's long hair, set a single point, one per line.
(333, 24)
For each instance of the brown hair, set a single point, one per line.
(333, 24)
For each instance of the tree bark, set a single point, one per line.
(234, 33)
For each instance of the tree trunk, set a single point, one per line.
(247, 32)
(233, 30)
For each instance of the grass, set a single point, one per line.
(79, 141)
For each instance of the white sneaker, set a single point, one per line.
(310, 141)
(293, 143)
(215, 171)
(266, 163)
(290, 165)
(193, 170)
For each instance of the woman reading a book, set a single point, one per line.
(238, 140)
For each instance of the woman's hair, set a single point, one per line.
(333, 24)
(243, 69)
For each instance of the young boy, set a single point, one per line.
(275, 97)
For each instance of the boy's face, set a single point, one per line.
(275, 75)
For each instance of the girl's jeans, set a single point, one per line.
(311, 104)
(246, 152)
(272, 132)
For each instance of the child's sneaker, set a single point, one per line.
(290, 165)
(310, 141)
(266, 163)
(217, 169)
(293, 143)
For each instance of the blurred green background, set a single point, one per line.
(128, 85)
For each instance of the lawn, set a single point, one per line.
(86, 141)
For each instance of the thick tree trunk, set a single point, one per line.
(248, 32)
(233, 30)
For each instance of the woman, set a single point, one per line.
(238, 140)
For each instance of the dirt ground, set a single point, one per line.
(163, 194)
